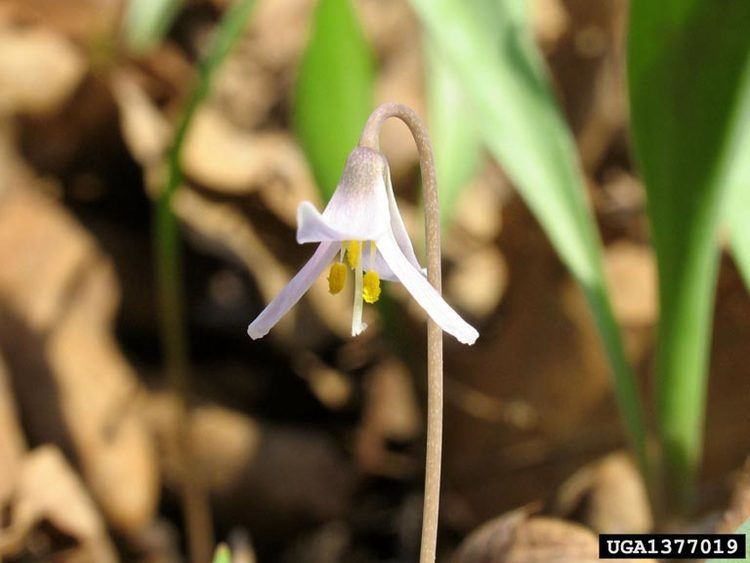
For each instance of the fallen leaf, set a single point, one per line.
(739, 505)
(239, 461)
(391, 415)
(85, 21)
(477, 282)
(609, 496)
(550, 22)
(145, 130)
(332, 387)
(517, 537)
(39, 70)
(49, 493)
(58, 298)
(631, 277)
(12, 442)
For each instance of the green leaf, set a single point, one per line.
(455, 142)
(511, 102)
(738, 206)
(147, 21)
(334, 91)
(739, 229)
(686, 64)
(743, 529)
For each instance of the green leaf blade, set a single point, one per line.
(686, 62)
(334, 92)
(738, 179)
(518, 119)
(455, 141)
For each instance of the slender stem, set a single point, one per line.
(168, 255)
(434, 334)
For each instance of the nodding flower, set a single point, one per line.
(361, 229)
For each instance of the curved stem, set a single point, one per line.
(370, 140)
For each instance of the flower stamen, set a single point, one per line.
(371, 290)
(354, 253)
(336, 278)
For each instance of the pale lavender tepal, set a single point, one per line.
(361, 224)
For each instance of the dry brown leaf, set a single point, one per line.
(12, 442)
(478, 210)
(278, 32)
(332, 387)
(48, 492)
(218, 154)
(391, 410)
(145, 130)
(550, 22)
(222, 226)
(391, 414)
(477, 282)
(739, 505)
(631, 277)
(517, 538)
(227, 159)
(391, 26)
(223, 442)
(240, 462)
(609, 496)
(85, 21)
(58, 296)
(13, 170)
(39, 70)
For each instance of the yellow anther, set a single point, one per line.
(371, 289)
(353, 253)
(336, 277)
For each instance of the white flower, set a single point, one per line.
(361, 225)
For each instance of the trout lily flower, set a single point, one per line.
(361, 229)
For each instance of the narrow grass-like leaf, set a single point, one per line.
(511, 102)
(334, 91)
(739, 228)
(686, 66)
(169, 270)
(738, 206)
(147, 21)
(455, 141)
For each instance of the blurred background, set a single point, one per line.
(307, 443)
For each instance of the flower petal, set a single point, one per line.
(424, 293)
(358, 207)
(293, 291)
(383, 270)
(397, 224)
(312, 227)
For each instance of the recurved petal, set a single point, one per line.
(419, 288)
(313, 227)
(293, 291)
(397, 223)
